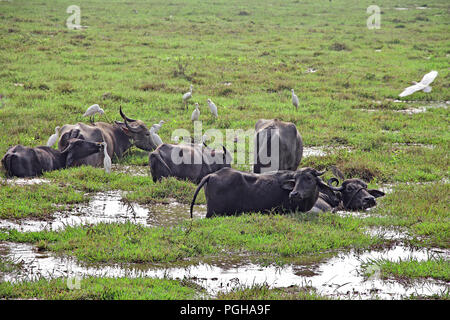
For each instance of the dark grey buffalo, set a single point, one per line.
(230, 192)
(23, 161)
(118, 136)
(351, 195)
(272, 133)
(187, 161)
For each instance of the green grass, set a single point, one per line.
(263, 292)
(422, 209)
(276, 236)
(37, 201)
(101, 289)
(414, 269)
(143, 55)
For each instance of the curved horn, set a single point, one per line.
(124, 116)
(331, 180)
(318, 173)
(332, 187)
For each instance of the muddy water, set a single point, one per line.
(322, 150)
(108, 207)
(340, 277)
(26, 181)
(426, 105)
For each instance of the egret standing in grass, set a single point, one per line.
(212, 107)
(423, 85)
(106, 159)
(156, 138)
(53, 138)
(294, 99)
(196, 113)
(92, 110)
(158, 125)
(187, 96)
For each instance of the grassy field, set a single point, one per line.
(143, 55)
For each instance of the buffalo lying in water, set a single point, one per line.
(230, 192)
(290, 146)
(351, 195)
(187, 161)
(118, 137)
(23, 161)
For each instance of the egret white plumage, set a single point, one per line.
(156, 138)
(158, 126)
(212, 107)
(106, 159)
(196, 113)
(423, 85)
(294, 99)
(53, 138)
(92, 110)
(187, 96)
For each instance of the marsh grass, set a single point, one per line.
(263, 291)
(423, 209)
(245, 57)
(101, 289)
(413, 269)
(274, 235)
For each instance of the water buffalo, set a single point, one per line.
(118, 136)
(351, 195)
(230, 192)
(290, 146)
(23, 161)
(187, 161)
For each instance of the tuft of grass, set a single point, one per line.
(263, 292)
(93, 288)
(413, 269)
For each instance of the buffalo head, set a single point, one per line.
(355, 195)
(304, 187)
(138, 131)
(78, 149)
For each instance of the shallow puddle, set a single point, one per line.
(108, 207)
(322, 150)
(341, 276)
(131, 170)
(26, 181)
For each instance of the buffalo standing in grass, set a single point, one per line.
(230, 192)
(187, 161)
(23, 161)
(351, 195)
(118, 136)
(289, 142)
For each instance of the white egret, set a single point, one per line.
(187, 96)
(294, 99)
(92, 110)
(53, 138)
(423, 85)
(196, 113)
(106, 159)
(158, 126)
(212, 107)
(156, 138)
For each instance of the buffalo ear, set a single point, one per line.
(123, 127)
(376, 193)
(69, 160)
(288, 184)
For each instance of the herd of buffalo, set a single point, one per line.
(228, 191)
